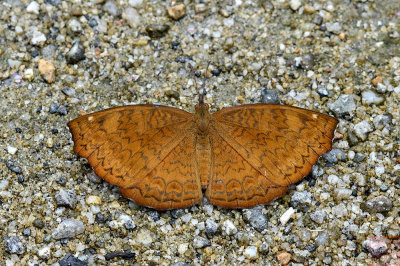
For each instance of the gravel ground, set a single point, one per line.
(59, 59)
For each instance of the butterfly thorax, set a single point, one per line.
(202, 118)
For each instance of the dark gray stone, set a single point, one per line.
(76, 53)
(156, 30)
(14, 245)
(334, 155)
(211, 227)
(66, 198)
(382, 120)
(377, 204)
(13, 168)
(200, 242)
(345, 104)
(256, 218)
(301, 200)
(269, 96)
(68, 229)
(70, 260)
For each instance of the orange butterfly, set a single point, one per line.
(163, 157)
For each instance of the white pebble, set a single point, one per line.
(135, 3)
(3, 184)
(251, 252)
(44, 252)
(286, 216)
(38, 38)
(229, 228)
(351, 155)
(33, 7)
(370, 97)
(295, 4)
(132, 17)
(362, 129)
(379, 170)
(11, 150)
(183, 248)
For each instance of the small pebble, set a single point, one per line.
(75, 26)
(377, 205)
(376, 81)
(70, 260)
(382, 120)
(177, 12)
(38, 223)
(47, 70)
(370, 97)
(11, 150)
(318, 216)
(269, 96)
(308, 61)
(200, 242)
(66, 198)
(256, 218)
(75, 54)
(200, 8)
(68, 229)
(295, 4)
(362, 129)
(251, 253)
(27, 232)
(344, 104)
(211, 227)
(135, 3)
(283, 258)
(68, 91)
(376, 246)
(13, 168)
(229, 228)
(157, 31)
(144, 237)
(38, 38)
(342, 193)
(93, 200)
(264, 248)
(334, 27)
(322, 238)
(14, 245)
(126, 255)
(287, 215)
(28, 74)
(132, 17)
(111, 8)
(301, 200)
(334, 155)
(33, 8)
(311, 247)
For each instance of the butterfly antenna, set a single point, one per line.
(202, 91)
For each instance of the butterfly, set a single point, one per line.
(164, 157)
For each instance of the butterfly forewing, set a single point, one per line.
(123, 144)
